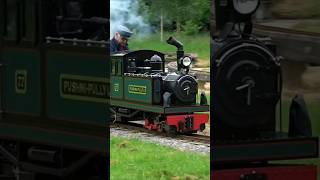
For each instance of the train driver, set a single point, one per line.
(119, 42)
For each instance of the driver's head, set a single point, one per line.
(122, 35)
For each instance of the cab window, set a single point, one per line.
(29, 20)
(2, 18)
(12, 20)
(80, 19)
(119, 73)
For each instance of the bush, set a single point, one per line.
(190, 28)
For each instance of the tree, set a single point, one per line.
(178, 12)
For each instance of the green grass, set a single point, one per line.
(133, 159)
(199, 44)
(313, 108)
(314, 113)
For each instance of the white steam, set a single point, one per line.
(125, 12)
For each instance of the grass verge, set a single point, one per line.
(314, 113)
(134, 159)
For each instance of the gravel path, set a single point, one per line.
(182, 145)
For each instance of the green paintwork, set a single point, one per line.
(21, 84)
(24, 63)
(35, 110)
(83, 88)
(56, 138)
(30, 18)
(186, 109)
(157, 108)
(116, 87)
(81, 66)
(116, 67)
(138, 89)
(2, 19)
(274, 150)
(12, 17)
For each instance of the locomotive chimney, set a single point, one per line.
(180, 52)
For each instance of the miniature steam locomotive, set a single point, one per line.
(142, 90)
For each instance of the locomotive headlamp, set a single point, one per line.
(246, 7)
(186, 61)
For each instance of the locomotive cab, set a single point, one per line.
(141, 61)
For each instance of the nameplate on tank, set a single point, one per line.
(21, 81)
(83, 88)
(135, 89)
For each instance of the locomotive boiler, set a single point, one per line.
(247, 76)
(142, 90)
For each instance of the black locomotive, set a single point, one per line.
(246, 96)
(248, 83)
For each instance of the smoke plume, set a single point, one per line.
(125, 12)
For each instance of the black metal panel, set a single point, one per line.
(2, 19)
(265, 150)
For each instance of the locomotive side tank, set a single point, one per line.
(53, 66)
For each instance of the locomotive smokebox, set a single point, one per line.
(180, 52)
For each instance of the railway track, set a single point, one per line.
(196, 138)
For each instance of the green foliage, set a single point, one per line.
(313, 108)
(176, 12)
(199, 44)
(190, 28)
(134, 159)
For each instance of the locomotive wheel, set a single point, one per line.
(202, 127)
(170, 130)
(161, 126)
(124, 119)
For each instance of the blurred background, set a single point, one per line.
(294, 26)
